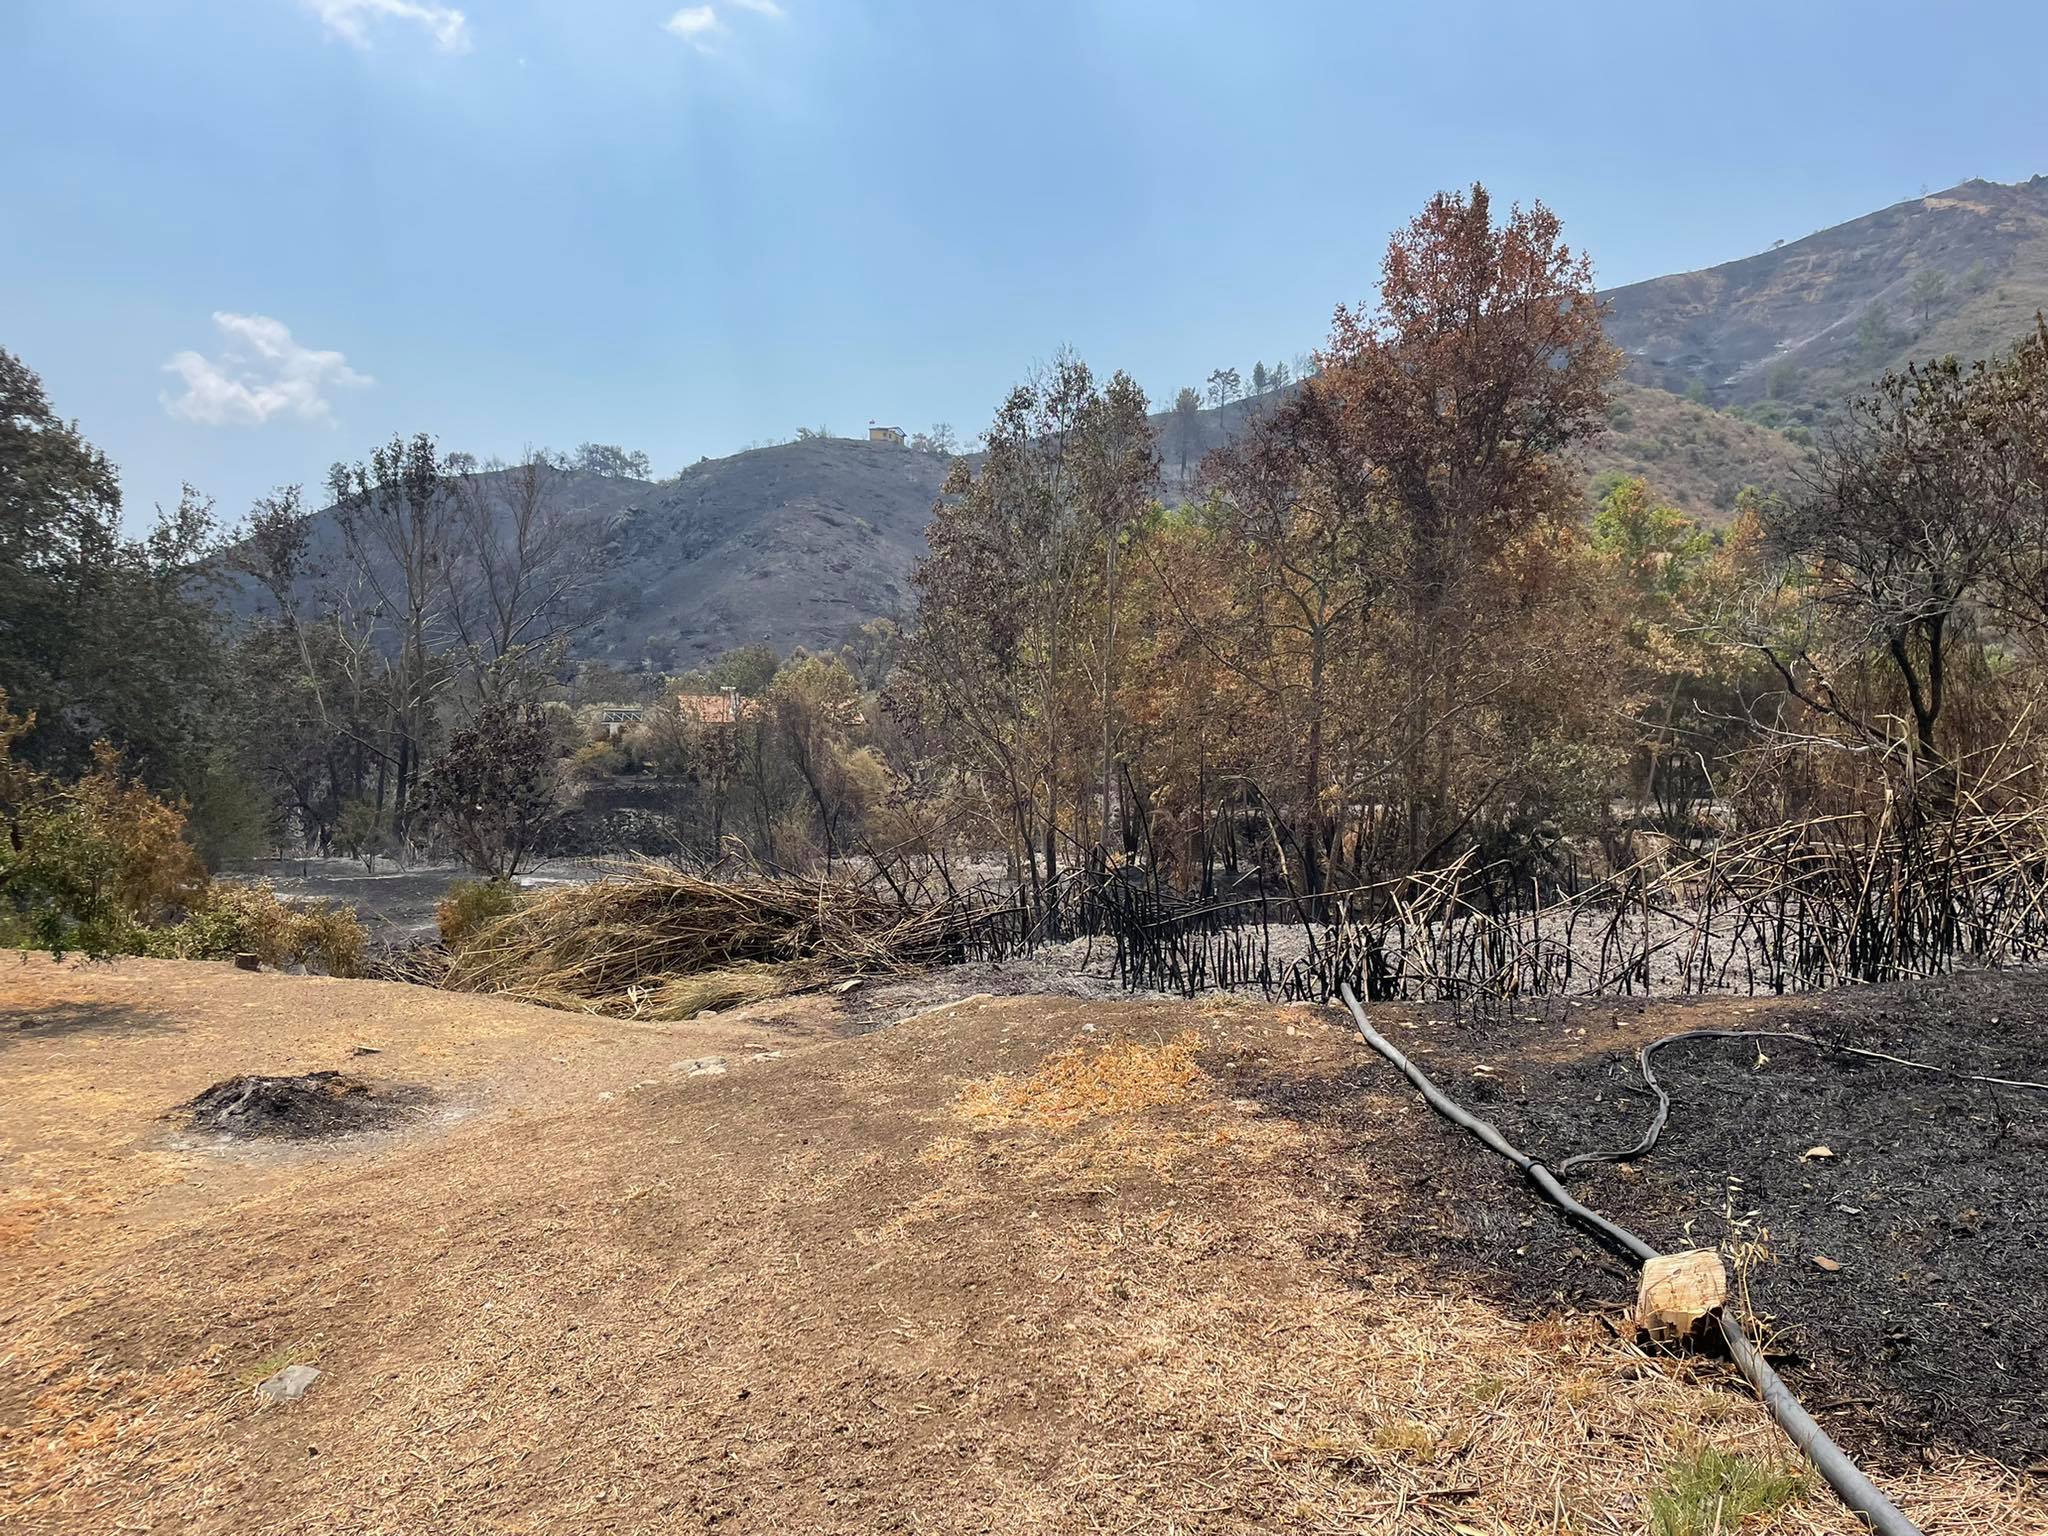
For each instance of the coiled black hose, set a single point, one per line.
(1856, 1491)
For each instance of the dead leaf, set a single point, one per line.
(1816, 1154)
(1822, 1261)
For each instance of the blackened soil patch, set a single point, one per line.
(315, 1104)
(1932, 1332)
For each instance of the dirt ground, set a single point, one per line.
(1018, 1264)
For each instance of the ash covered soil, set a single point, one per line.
(1925, 1329)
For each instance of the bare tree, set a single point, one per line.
(398, 519)
(1909, 520)
(518, 576)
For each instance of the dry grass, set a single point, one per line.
(930, 1279)
(85, 1415)
(650, 942)
(1119, 1078)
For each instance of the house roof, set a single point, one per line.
(715, 708)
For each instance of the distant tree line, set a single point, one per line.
(1225, 386)
(1382, 626)
(1381, 634)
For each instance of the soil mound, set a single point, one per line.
(314, 1104)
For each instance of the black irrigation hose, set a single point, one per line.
(1857, 1492)
(1663, 1113)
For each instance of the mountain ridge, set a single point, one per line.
(1731, 372)
(1811, 320)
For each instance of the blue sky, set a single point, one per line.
(241, 239)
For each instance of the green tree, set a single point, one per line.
(102, 636)
(1187, 418)
(1658, 549)
(612, 461)
(747, 670)
(360, 832)
(1930, 287)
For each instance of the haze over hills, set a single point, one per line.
(1730, 371)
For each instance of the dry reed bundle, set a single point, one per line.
(651, 942)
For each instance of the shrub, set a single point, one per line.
(596, 761)
(238, 917)
(88, 866)
(105, 867)
(470, 904)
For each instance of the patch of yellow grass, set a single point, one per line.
(1085, 1083)
(24, 1211)
(18, 1222)
(83, 1417)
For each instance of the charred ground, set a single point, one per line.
(1933, 1199)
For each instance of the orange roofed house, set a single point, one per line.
(725, 707)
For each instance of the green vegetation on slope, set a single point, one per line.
(1696, 457)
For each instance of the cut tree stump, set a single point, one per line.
(1678, 1293)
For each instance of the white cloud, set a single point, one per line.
(260, 373)
(761, 8)
(351, 20)
(695, 25)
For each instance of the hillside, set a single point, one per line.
(1810, 321)
(1695, 457)
(797, 543)
(793, 544)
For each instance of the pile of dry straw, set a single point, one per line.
(651, 942)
